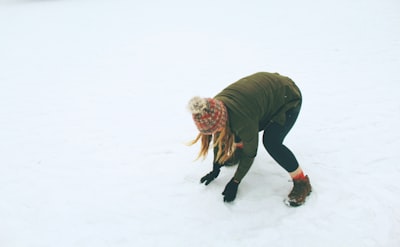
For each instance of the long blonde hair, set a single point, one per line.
(224, 140)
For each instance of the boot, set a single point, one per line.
(301, 189)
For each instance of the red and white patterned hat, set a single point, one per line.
(209, 114)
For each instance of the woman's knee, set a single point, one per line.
(271, 145)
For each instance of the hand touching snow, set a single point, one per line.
(230, 190)
(209, 177)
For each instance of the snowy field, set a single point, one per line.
(93, 122)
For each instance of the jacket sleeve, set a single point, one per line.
(250, 145)
(215, 151)
(244, 166)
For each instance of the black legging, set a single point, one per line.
(273, 137)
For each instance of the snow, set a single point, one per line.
(94, 122)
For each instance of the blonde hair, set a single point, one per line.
(223, 140)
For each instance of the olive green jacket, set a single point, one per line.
(252, 103)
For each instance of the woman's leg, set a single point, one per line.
(273, 137)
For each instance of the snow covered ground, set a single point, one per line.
(93, 122)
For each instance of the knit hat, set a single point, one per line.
(209, 114)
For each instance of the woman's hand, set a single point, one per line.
(230, 190)
(209, 177)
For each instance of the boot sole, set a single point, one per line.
(294, 204)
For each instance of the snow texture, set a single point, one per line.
(94, 122)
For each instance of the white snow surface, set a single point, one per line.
(94, 124)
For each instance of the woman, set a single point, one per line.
(233, 119)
